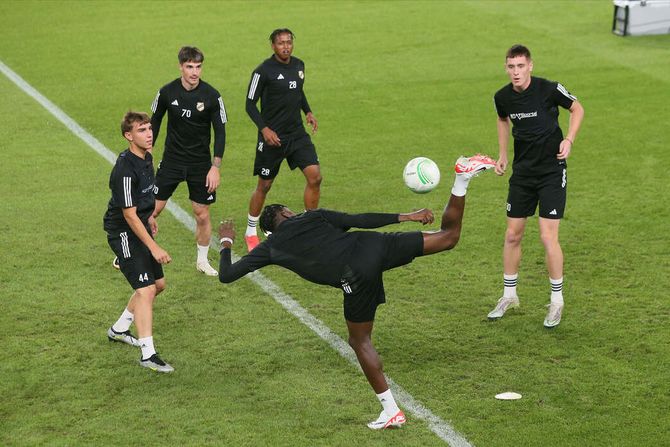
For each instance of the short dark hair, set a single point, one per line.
(279, 31)
(131, 118)
(517, 50)
(268, 218)
(190, 54)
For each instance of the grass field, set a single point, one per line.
(388, 81)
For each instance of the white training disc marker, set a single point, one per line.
(509, 395)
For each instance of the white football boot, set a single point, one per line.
(123, 337)
(553, 317)
(205, 268)
(386, 421)
(504, 303)
(155, 363)
(469, 167)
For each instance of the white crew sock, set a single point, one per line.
(124, 321)
(388, 402)
(202, 253)
(252, 222)
(509, 283)
(147, 346)
(556, 290)
(460, 186)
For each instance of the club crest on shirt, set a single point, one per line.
(301, 74)
(200, 106)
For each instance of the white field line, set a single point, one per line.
(440, 427)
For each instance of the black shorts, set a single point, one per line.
(362, 281)
(135, 260)
(170, 175)
(299, 153)
(549, 190)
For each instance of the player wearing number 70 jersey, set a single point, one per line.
(193, 107)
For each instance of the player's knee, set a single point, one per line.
(201, 214)
(264, 187)
(513, 237)
(549, 240)
(160, 286)
(314, 181)
(354, 342)
(358, 343)
(147, 293)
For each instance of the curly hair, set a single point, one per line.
(268, 218)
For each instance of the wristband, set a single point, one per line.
(226, 239)
(571, 142)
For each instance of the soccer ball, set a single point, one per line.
(421, 175)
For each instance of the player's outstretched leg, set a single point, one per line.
(466, 169)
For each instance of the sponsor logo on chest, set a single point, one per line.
(522, 115)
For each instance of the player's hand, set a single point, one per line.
(425, 216)
(501, 166)
(227, 229)
(213, 179)
(161, 256)
(271, 137)
(564, 149)
(311, 120)
(153, 225)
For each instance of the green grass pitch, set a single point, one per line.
(388, 81)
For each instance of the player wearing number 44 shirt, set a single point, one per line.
(278, 84)
(130, 229)
(193, 108)
(539, 177)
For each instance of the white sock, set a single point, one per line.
(509, 283)
(388, 402)
(556, 290)
(202, 253)
(147, 346)
(252, 222)
(460, 186)
(124, 321)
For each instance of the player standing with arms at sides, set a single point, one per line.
(318, 246)
(539, 175)
(130, 227)
(278, 83)
(192, 106)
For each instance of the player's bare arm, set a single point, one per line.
(227, 231)
(576, 117)
(213, 179)
(270, 137)
(425, 216)
(153, 225)
(504, 128)
(311, 120)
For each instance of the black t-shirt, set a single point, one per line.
(190, 114)
(316, 245)
(132, 185)
(280, 90)
(534, 116)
